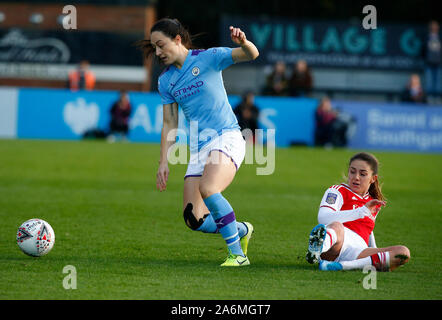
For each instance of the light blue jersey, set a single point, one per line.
(199, 89)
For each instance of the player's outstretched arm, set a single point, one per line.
(247, 50)
(170, 122)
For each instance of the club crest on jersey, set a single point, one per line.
(195, 71)
(331, 198)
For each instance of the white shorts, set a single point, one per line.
(230, 143)
(351, 248)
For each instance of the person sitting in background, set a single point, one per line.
(247, 114)
(81, 78)
(301, 81)
(331, 125)
(414, 91)
(325, 117)
(120, 112)
(432, 53)
(277, 84)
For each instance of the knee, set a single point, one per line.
(402, 253)
(206, 190)
(338, 227)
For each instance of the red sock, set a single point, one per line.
(381, 261)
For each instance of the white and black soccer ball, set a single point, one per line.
(35, 237)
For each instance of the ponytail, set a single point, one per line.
(375, 191)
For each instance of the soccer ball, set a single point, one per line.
(35, 237)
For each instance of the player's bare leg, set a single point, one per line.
(383, 259)
(194, 207)
(198, 217)
(219, 172)
(332, 251)
(398, 255)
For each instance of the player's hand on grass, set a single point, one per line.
(162, 176)
(237, 36)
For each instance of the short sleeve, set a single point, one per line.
(222, 57)
(166, 97)
(332, 199)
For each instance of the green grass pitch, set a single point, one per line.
(128, 241)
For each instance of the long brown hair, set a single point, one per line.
(375, 189)
(171, 28)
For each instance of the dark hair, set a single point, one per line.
(375, 189)
(169, 27)
(247, 93)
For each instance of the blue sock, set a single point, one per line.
(225, 221)
(209, 226)
(242, 229)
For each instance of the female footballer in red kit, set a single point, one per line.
(344, 239)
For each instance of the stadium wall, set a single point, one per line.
(36, 50)
(29, 113)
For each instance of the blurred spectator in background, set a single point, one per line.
(277, 82)
(432, 58)
(414, 91)
(82, 78)
(324, 118)
(331, 129)
(301, 81)
(247, 114)
(120, 112)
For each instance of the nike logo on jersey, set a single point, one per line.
(354, 198)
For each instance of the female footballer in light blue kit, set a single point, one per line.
(193, 80)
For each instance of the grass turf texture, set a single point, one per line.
(129, 241)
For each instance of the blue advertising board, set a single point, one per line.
(404, 127)
(292, 119)
(62, 114)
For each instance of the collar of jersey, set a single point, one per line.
(348, 187)
(186, 62)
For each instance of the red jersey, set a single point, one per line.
(342, 198)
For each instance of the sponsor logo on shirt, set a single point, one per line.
(189, 90)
